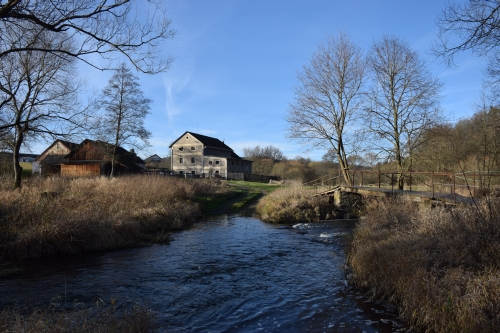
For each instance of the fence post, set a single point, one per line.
(410, 181)
(378, 178)
(432, 183)
(362, 178)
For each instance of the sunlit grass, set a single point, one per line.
(294, 204)
(266, 187)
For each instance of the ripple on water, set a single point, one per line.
(228, 274)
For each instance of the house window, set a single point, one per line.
(209, 162)
(193, 173)
(193, 148)
(216, 162)
(181, 148)
(181, 160)
(181, 172)
(192, 159)
(216, 172)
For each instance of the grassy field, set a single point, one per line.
(264, 187)
(54, 216)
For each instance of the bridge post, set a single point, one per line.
(348, 203)
(454, 189)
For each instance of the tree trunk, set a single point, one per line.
(344, 167)
(18, 170)
(112, 174)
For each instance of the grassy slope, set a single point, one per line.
(250, 193)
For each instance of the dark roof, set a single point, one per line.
(207, 141)
(71, 146)
(57, 159)
(153, 157)
(123, 156)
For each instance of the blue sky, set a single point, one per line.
(236, 63)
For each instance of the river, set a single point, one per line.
(226, 274)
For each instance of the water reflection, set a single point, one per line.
(228, 274)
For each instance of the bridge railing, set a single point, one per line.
(468, 184)
(323, 184)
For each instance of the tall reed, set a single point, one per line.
(439, 265)
(60, 216)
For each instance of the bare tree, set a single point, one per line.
(99, 27)
(269, 152)
(39, 96)
(125, 109)
(404, 101)
(328, 99)
(474, 26)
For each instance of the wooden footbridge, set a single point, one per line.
(445, 187)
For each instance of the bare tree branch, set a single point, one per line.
(125, 109)
(474, 26)
(38, 95)
(329, 98)
(103, 27)
(403, 101)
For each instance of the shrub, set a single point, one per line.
(440, 266)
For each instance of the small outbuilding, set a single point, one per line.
(87, 159)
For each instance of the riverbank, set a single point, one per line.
(97, 319)
(440, 266)
(56, 216)
(295, 204)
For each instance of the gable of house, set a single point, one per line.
(50, 160)
(203, 155)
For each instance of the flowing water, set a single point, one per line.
(227, 274)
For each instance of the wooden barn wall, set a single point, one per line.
(80, 170)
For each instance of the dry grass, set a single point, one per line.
(294, 204)
(440, 266)
(60, 216)
(98, 319)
